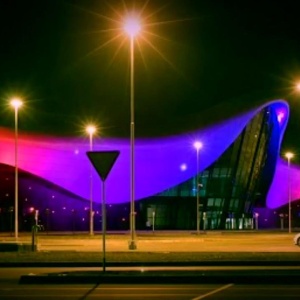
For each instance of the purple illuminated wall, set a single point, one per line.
(278, 193)
(159, 162)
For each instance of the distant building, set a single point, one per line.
(239, 170)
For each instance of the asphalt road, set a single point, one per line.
(150, 291)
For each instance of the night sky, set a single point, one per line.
(210, 52)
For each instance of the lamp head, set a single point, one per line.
(132, 26)
(90, 129)
(289, 155)
(198, 145)
(16, 103)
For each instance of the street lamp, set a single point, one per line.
(289, 156)
(16, 104)
(132, 27)
(91, 129)
(198, 145)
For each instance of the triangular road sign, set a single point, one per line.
(103, 161)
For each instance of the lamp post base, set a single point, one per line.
(132, 245)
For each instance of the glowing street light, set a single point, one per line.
(16, 104)
(132, 27)
(289, 156)
(91, 130)
(198, 145)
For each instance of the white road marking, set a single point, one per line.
(214, 292)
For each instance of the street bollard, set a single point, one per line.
(34, 230)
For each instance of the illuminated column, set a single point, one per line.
(132, 28)
(289, 156)
(16, 104)
(198, 146)
(91, 129)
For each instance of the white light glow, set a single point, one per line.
(16, 103)
(198, 145)
(183, 167)
(132, 26)
(90, 129)
(289, 155)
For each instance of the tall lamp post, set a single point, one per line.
(198, 146)
(16, 104)
(132, 27)
(289, 156)
(91, 129)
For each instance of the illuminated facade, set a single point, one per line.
(239, 167)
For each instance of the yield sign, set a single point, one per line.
(103, 161)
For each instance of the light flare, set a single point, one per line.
(135, 23)
(132, 26)
(91, 129)
(198, 145)
(16, 103)
(289, 155)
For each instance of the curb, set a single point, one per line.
(154, 277)
(147, 264)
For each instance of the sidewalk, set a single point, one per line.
(165, 242)
(159, 249)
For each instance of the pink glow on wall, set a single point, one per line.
(281, 115)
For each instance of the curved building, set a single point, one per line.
(238, 167)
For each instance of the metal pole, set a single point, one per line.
(197, 186)
(132, 243)
(91, 191)
(153, 221)
(103, 226)
(289, 197)
(16, 174)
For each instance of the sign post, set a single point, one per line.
(103, 162)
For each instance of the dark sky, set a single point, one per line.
(215, 51)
